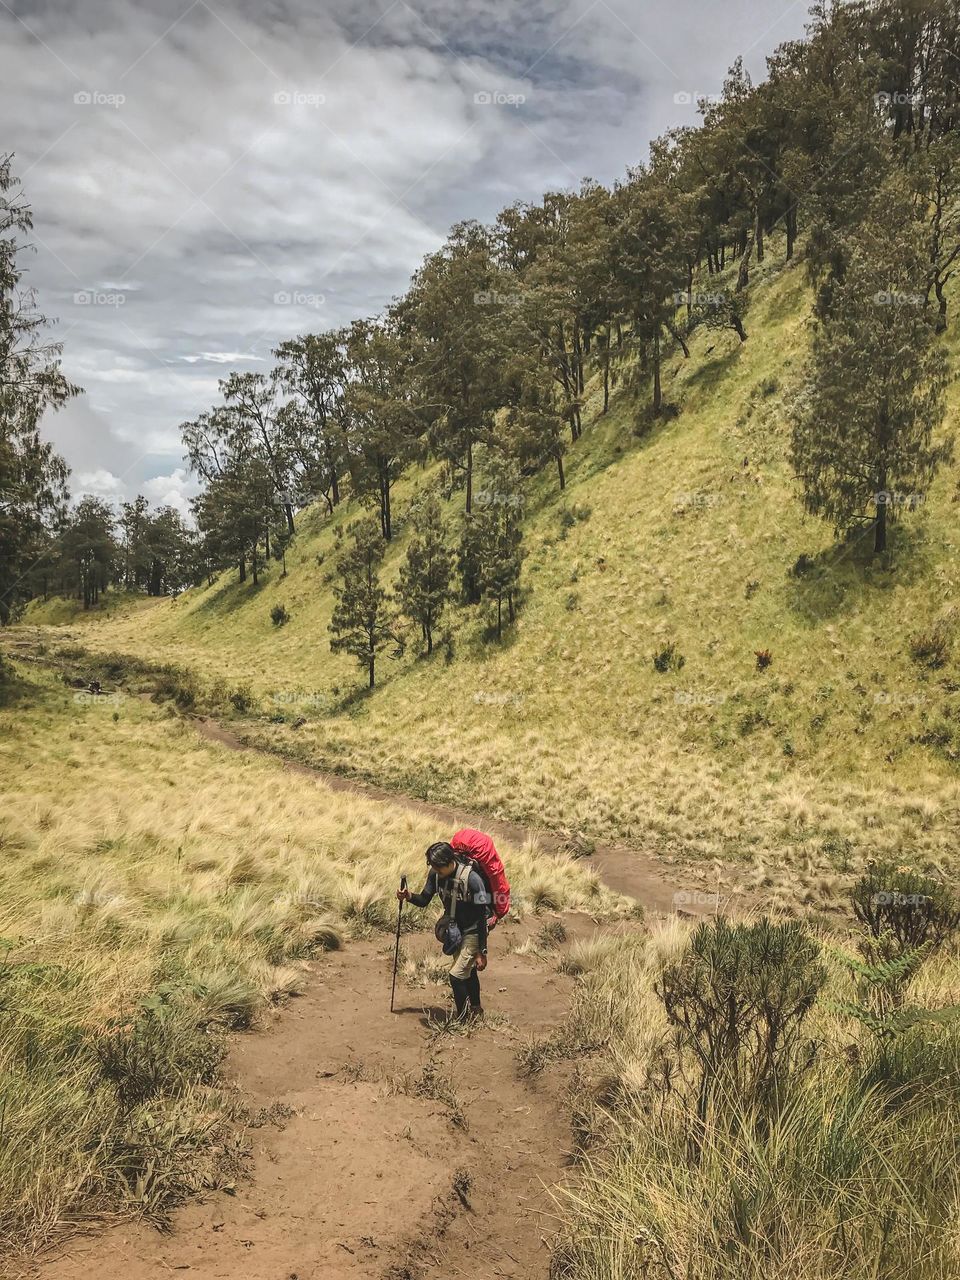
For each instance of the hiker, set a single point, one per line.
(463, 926)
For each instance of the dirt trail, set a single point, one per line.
(359, 1183)
(372, 1177)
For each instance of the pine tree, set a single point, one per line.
(864, 422)
(361, 622)
(424, 588)
(500, 535)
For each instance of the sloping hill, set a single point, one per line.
(690, 533)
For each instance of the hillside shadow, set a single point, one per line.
(232, 595)
(709, 372)
(640, 432)
(840, 579)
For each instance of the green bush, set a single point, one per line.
(279, 615)
(669, 658)
(161, 1049)
(902, 909)
(930, 648)
(172, 684)
(241, 699)
(738, 997)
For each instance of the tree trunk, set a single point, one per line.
(759, 239)
(791, 221)
(469, 476)
(675, 333)
(657, 390)
(689, 291)
(942, 310)
(385, 502)
(743, 275)
(288, 512)
(880, 526)
(738, 326)
(499, 617)
(606, 373)
(560, 472)
(243, 568)
(370, 667)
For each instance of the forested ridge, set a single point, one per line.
(846, 156)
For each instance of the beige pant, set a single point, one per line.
(465, 957)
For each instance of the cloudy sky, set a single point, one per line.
(208, 179)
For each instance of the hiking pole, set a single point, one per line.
(396, 950)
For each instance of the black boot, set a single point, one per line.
(460, 991)
(473, 991)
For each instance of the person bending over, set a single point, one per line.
(462, 929)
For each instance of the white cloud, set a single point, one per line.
(174, 490)
(221, 357)
(199, 198)
(101, 483)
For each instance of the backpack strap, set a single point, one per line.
(461, 881)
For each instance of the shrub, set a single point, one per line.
(161, 1049)
(551, 934)
(279, 615)
(241, 699)
(930, 648)
(764, 658)
(668, 659)
(902, 909)
(172, 684)
(738, 996)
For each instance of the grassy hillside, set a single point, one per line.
(156, 889)
(690, 532)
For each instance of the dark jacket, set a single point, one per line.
(470, 912)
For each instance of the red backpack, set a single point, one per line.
(480, 847)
